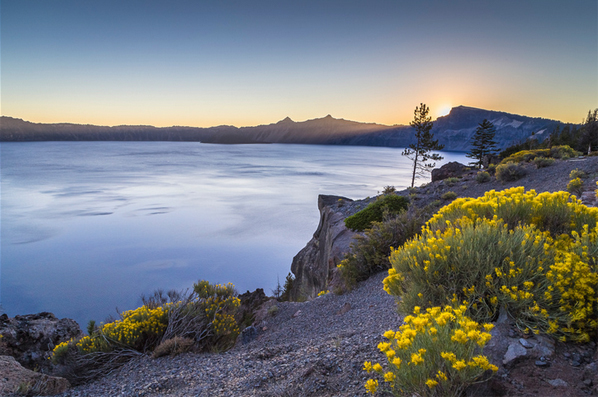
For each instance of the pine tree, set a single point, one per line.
(420, 152)
(483, 143)
(588, 139)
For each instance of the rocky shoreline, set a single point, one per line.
(318, 347)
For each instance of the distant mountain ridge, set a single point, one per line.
(453, 130)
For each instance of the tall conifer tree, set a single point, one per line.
(420, 152)
(483, 143)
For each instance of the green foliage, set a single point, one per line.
(451, 181)
(288, 286)
(563, 152)
(541, 162)
(435, 353)
(577, 173)
(483, 143)
(373, 212)
(369, 253)
(483, 177)
(509, 172)
(575, 186)
(588, 140)
(421, 151)
(388, 190)
(526, 156)
(534, 255)
(273, 310)
(91, 327)
(449, 196)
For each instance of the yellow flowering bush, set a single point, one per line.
(206, 316)
(469, 253)
(434, 353)
(575, 186)
(557, 152)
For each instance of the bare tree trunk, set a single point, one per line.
(414, 168)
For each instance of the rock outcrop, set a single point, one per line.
(250, 303)
(22, 381)
(31, 338)
(453, 169)
(313, 266)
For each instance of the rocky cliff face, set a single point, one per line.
(313, 266)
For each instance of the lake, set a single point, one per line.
(87, 227)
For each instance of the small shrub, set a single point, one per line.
(577, 173)
(451, 181)
(173, 347)
(448, 196)
(483, 177)
(563, 152)
(388, 190)
(491, 169)
(525, 156)
(273, 310)
(369, 253)
(542, 162)
(509, 172)
(575, 186)
(436, 353)
(435, 204)
(374, 212)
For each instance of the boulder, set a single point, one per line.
(453, 169)
(313, 266)
(31, 338)
(18, 380)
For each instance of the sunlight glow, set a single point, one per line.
(443, 110)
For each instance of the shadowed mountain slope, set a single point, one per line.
(453, 130)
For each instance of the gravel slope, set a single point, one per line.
(307, 349)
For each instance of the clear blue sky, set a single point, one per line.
(203, 63)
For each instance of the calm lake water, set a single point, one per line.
(87, 227)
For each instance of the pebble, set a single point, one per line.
(525, 343)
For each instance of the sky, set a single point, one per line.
(206, 63)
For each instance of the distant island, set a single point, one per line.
(454, 131)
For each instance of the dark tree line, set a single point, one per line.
(583, 137)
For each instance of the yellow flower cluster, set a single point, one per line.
(324, 292)
(413, 352)
(219, 303)
(515, 206)
(132, 330)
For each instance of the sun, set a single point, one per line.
(443, 110)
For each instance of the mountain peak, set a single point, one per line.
(286, 120)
